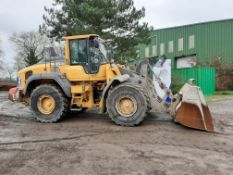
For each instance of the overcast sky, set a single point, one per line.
(26, 15)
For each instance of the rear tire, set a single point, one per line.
(127, 105)
(48, 104)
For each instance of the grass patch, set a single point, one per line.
(220, 95)
(224, 93)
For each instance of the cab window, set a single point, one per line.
(78, 52)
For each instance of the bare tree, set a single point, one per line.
(2, 70)
(30, 47)
(7, 71)
(59, 48)
(1, 60)
(1, 52)
(18, 63)
(10, 70)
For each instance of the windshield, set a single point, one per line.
(103, 48)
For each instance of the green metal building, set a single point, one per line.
(189, 45)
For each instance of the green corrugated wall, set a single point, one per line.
(204, 76)
(212, 40)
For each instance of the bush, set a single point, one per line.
(177, 84)
(224, 93)
(224, 73)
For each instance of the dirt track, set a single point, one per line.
(91, 144)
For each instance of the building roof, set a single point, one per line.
(200, 23)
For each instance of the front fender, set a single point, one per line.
(114, 81)
(58, 78)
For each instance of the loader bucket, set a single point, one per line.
(192, 111)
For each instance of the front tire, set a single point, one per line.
(127, 105)
(48, 103)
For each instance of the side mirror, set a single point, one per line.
(109, 43)
(110, 54)
(96, 44)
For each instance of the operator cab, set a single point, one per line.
(89, 51)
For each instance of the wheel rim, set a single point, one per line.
(126, 106)
(46, 104)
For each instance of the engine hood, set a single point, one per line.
(35, 69)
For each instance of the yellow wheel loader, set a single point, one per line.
(89, 79)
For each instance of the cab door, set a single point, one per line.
(85, 61)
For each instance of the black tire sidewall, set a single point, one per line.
(141, 106)
(52, 91)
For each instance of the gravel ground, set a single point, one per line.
(90, 143)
